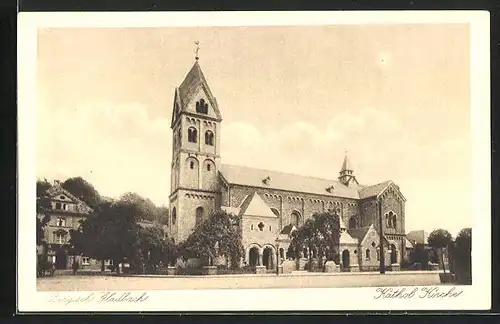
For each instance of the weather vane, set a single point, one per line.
(197, 43)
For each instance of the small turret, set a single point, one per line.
(346, 174)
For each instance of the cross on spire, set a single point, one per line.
(197, 43)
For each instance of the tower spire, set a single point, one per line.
(346, 174)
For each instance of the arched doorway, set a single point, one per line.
(253, 256)
(61, 259)
(394, 254)
(267, 257)
(345, 258)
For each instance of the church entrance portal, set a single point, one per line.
(345, 259)
(253, 256)
(394, 254)
(267, 258)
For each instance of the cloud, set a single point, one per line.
(116, 147)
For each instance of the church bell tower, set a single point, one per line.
(195, 128)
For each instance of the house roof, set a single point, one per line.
(253, 205)
(189, 87)
(417, 237)
(81, 206)
(285, 181)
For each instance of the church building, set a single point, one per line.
(272, 204)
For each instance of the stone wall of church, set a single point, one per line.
(252, 233)
(187, 203)
(287, 203)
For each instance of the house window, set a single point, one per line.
(270, 228)
(209, 138)
(60, 238)
(61, 222)
(208, 166)
(58, 205)
(367, 254)
(85, 260)
(378, 254)
(275, 211)
(192, 135)
(202, 107)
(251, 227)
(261, 226)
(373, 244)
(108, 262)
(191, 164)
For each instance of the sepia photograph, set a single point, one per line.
(285, 158)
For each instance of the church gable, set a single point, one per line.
(200, 104)
(253, 205)
(192, 90)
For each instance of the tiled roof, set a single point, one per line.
(81, 206)
(418, 237)
(370, 191)
(285, 181)
(193, 81)
(253, 205)
(358, 233)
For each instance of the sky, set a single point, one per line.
(292, 99)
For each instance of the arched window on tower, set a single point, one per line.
(199, 215)
(295, 219)
(394, 221)
(209, 138)
(390, 219)
(192, 135)
(174, 216)
(353, 222)
(201, 107)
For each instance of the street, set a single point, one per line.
(295, 280)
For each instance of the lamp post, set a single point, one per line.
(277, 257)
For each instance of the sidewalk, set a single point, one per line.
(293, 274)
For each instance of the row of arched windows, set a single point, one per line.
(193, 164)
(193, 136)
(391, 220)
(201, 107)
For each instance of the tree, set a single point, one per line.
(439, 240)
(111, 232)
(154, 247)
(321, 232)
(42, 219)
(145, 208)
(462, 255)
(219, 235)
(83, 190)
